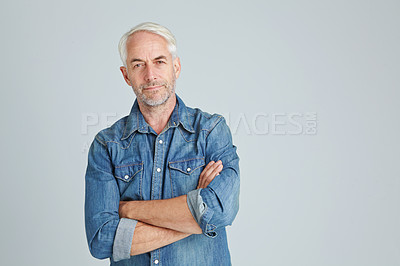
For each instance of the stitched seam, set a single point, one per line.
(130, 177)
(119, 144)
(159, 194)
(213, 126)
(133, 135)
(123, 134)
(190, 128)
(182, 170)
(212, 226)
(104, 144)
(177, 110)
(172, 183)
(140, 185)
(183, 136)
(187, 160)
(120, 166)
(154, 170)
(111, 141)
(212, 230)
(188, 173)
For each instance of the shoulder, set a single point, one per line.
(203, 120)
(113, 133)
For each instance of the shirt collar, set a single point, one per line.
(136, 122)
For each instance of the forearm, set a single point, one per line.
(168, 213)
(148, 237)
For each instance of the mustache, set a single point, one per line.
(152, 84)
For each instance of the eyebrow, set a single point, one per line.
(137, 60)
(141, 60)
(160, 57)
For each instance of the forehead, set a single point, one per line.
(146, 44)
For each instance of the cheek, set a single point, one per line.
(135, 79)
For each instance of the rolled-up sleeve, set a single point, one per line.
(101, 207)
(216, 205)
(123, 239)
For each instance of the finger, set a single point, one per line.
(210, 176)
(206, 168)
(201, 177)
(217, 170)
(220, 168)
(208, 171)
(213, 174)
(205, 178)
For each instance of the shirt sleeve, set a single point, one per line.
(123, 239)
(216, 205)
(102, 197)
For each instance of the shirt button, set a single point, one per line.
(156, 262)
(160, 141)
(126, 176)
(188, 169)
(158, 169)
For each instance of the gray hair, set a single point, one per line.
(149, 27)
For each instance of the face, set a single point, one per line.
(150, 69)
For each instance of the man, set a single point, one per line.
(162, 183)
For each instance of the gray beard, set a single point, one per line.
(149, 101)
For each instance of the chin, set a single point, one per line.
(156, 102)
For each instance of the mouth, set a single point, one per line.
(150, 88)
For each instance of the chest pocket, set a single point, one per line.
(184, 175)
(129, 179)
(187, 166)
(127, 172)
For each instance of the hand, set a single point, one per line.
(209, 172)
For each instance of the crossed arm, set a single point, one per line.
(162, 222)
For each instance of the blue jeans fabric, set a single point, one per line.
(129, 161)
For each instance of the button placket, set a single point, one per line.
(158, 166)
(155, 257)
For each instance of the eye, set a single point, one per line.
(137, 65)
(159, 62)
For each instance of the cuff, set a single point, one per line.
(200, 212)
(123, 239)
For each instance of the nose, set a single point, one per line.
(149, 74)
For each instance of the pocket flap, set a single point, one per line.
(187, 166)
(127, 172)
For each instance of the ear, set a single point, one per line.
(125, 74)
(177, 67)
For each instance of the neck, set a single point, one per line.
(157, 116)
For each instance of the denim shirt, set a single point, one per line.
(130, 161)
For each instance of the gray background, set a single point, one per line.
(329, 198)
